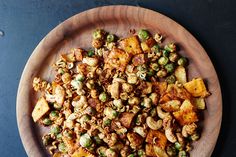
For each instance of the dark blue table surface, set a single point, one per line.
(26, 22)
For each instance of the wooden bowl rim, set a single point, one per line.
(20, 115)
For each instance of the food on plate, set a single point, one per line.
(121, 98)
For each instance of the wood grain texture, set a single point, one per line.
(76, 32)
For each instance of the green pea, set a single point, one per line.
(182, 154)
(170, 67)
(165, 53)
(143, 34)
(98, 34)
(97, 140)
(162, 73)
(107, 122)
(163, 60)
(178, 146)
(59, 136)
(85, 140)
(170, 79)
(80, 77)
(141, 153)
(47, 121)
(103, 97)
(171, 47)
(62, 148)
(131, 155)
(55, 129)
(54, 114)
(110, 38)
(90, 53)
(182, 61)
(85, 118)
(114, 114)
(173, 57)
(171, 151)
(154, 66)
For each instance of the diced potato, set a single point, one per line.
(199, 103)
(159, 151)
(82, 152)
(165, 98)
(117, 59)
(40, 109)
(126, 119)
(160, 138)
(131, 45)
(149, 150)
(180, 74)
(170, 106)
(159, 87)
(135, 140)
(176, 92)
(196, 87)
(186, 114)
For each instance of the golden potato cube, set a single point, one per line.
(199, 103)
(131, 45)
(196, 88)
(180, 74)
(81, 152)
(160, 138)
(135, 139)
(117, 59)
(126, 119)
(159, 87)
(186, 114)
(40, 109)
(170, 106)
(149, 150)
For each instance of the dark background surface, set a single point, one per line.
(26, 22)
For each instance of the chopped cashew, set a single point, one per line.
(170, 135)
(154, 125)
(161, 113)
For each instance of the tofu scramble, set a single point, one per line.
(124, 97)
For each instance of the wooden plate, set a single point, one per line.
(76, 32)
